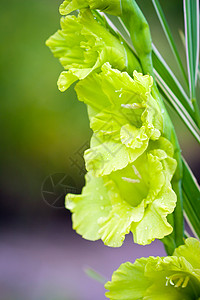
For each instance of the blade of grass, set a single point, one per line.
(169, 36)
(191, 199)
(191, 18)
(191, 187)
(168, 76)
(190, 217)
(95, 275)
(177, 106)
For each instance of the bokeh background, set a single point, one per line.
(44, 133)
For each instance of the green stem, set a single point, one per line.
(178, 213)
(169, 240)
(169, 243)
(177, 187)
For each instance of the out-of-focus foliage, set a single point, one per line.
(41, 127)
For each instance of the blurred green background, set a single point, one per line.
(42, 128)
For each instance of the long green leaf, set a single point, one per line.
(177, 106)
(191, 187)
(198, 73)
(191, 198)
(170, 79)
(191, 17)
(190, 216)
(169, 36)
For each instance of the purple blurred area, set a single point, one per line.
(48, 263)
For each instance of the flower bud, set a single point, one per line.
(112, 7)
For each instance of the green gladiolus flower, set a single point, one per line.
(176, 277)
(112, 7)
(123, 116)
(137, 198)
(83, 45)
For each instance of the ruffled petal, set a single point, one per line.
(128, 282)
(65, 80)
(117, 224)
(191, 251)
(88, 207)
(154, 223)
